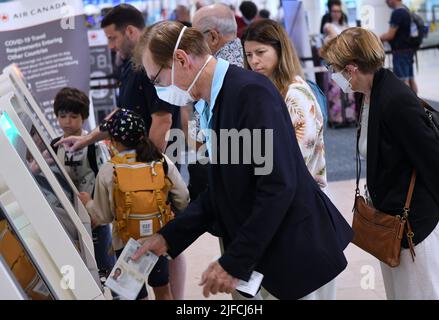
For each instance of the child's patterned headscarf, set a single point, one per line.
(126, 127)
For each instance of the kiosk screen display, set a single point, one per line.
(33, 168)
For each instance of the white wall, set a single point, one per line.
(378, 15)
(315, 9)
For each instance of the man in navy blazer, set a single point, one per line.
(278, 223)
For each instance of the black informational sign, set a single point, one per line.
(47, 39)
(102, 91)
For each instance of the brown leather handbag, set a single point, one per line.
(378, 233)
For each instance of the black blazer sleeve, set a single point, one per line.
(195, 220)
(262, 108)
(418, 140)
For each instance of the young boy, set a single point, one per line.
(71, 107)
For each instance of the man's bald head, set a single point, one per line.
(218, 17)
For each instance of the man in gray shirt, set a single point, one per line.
(218, 25)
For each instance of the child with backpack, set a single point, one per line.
(136, 190)
(71, 107)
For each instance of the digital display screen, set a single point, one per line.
(28, 159)
(29, 105)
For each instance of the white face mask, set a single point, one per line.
(342, 82)
(173, 94)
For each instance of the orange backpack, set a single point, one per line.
(140, 193)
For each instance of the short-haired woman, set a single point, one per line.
(396, 138)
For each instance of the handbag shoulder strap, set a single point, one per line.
(408, 228)
(358, 160)
(410, 193)
(358, 172)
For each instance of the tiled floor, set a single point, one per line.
(362, 267)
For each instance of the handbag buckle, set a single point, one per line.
(406, 212)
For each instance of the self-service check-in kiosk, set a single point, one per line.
(40, 202)
(13, 80)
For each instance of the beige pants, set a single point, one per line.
(417, 280)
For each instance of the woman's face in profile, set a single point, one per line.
(261, 58)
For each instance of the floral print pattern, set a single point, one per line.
(232, 52)
(307, 120)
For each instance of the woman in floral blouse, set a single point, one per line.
(269, 51)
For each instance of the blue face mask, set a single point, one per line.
(173, 94)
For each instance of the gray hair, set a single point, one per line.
(225, 25)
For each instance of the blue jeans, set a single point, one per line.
(403, 65)
(102, 243)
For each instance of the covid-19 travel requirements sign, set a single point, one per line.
(47, 39)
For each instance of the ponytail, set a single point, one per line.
(146, 151)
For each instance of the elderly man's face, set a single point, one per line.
(211, 36)
(184, 73)
(159, 75)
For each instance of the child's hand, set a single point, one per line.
(93, 222)
(84, 197)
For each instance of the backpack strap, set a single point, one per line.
(52, 144)
(165, 166)
(91, 157)
(121, 217)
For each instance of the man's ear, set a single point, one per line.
(131, 32)
(181, 58)
(215, 37)
(351, 68)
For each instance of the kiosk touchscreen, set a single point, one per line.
(47, 198)
(12, 81)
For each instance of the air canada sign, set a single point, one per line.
(4, 17)
(40, 10)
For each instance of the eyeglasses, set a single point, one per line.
(154, 80)
(206, 32)
(329, 67)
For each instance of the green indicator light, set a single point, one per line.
(8, 126)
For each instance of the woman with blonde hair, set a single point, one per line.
(397, 138)
(269, 51)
